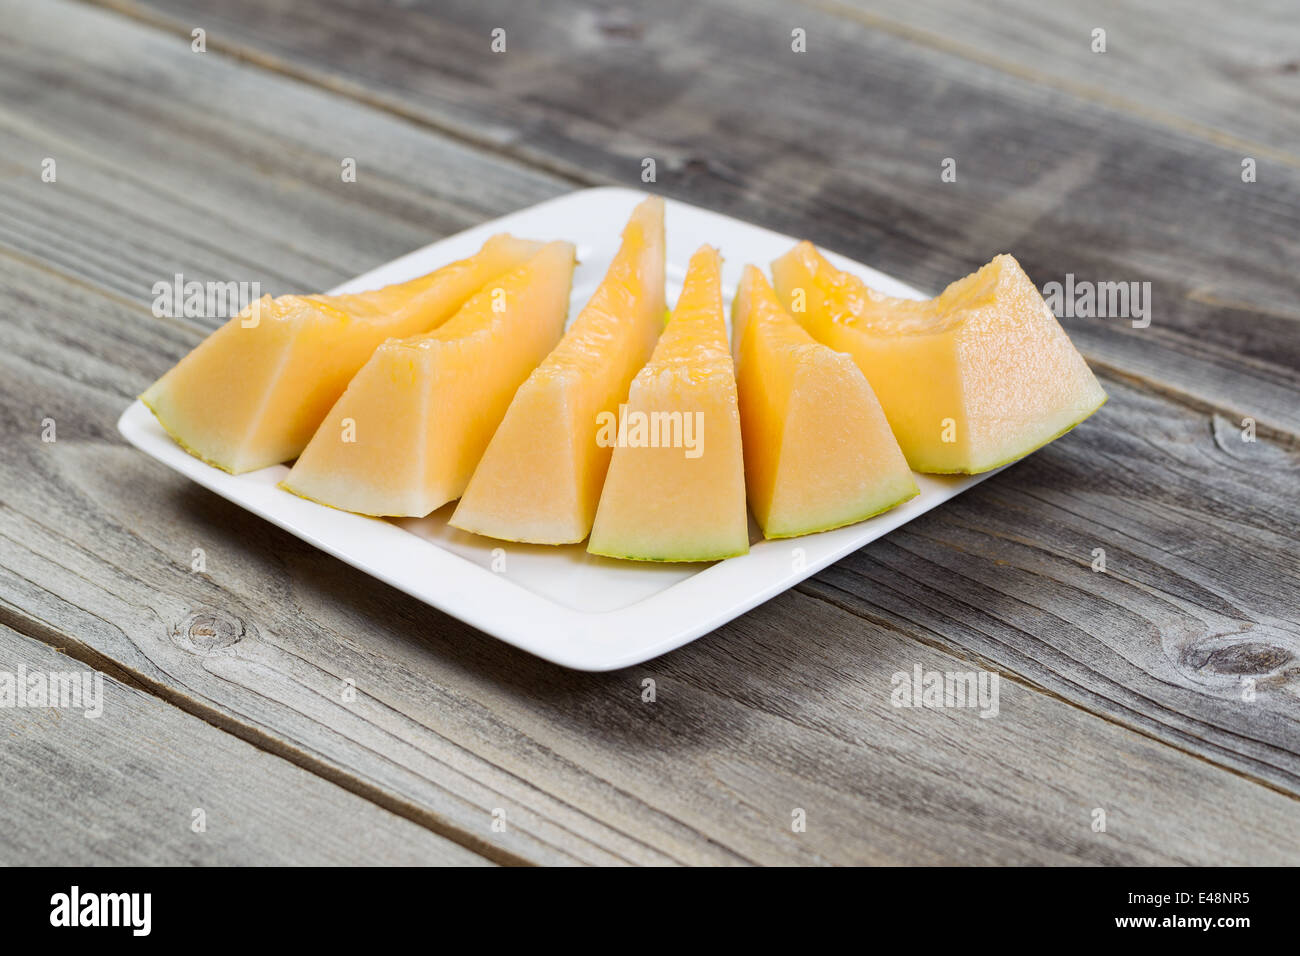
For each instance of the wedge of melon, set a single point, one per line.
(975, 378)
(818, 451)
(412, 425)
(254, 391)
(541, 476)
(675, 490)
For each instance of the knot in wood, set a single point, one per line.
(209, 630)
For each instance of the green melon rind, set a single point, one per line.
(676, 559)
(843, 524)
(550, 542)
(1024, 454)
(285, 486)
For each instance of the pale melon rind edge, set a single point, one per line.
(181, 441)
(1027, 452)
(694, 559)
(285, 486)
(843, 524)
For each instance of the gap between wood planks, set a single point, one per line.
(69, 646)
(1281, 436)
(960, 653)
(924, 38)
(353, 91)
(1083, 91)
(38, 630)
(20, 621)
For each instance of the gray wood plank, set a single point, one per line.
(788, 708)
(1226, 74)
(127, 779)
(170, 161)
(1190, 633)
(452, 725)
(844, 144)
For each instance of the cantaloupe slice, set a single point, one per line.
(412, 425)
(818, 451)
(253, 392)
(975, 378)
(541, 476)
(675, 490)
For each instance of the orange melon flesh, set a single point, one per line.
(818, 451)
(411, 427)
(675, 490)
(971, 380)
(254, 391)
(541, 476)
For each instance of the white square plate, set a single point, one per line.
(561, 603)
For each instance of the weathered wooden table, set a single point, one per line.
(1159, 697)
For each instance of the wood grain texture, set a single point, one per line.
(787, 708)
(1228, 77)
(170, 161)
(122, 787)
(1190, 633)
(844, 144)
(1122, 691)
